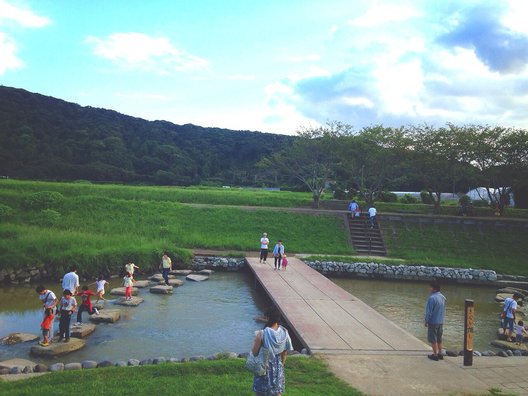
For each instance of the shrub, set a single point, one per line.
(481, 203)
(408, 199)
(5, 211)
(425, 197)
(387, 196)
(48, 217)
(464, 200)
(44, 200)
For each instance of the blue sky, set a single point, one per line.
(274, 66)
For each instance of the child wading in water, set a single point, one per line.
(128, 282)
(100, 283)
(284, 262)
(520, 332)
(86, 304)
(45, 327)
(67, 307)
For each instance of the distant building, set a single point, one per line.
(416, 194)
(481, 194)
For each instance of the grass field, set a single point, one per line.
(304, 377)
(98, 232)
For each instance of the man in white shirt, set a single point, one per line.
(264, 242)
(372, 213)
(71, 281)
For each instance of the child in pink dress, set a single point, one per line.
(284, 262)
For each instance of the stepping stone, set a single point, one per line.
(17, 363)
(500, 297)
(17, 338)
(82, 331)
(173, 282)
(500, 334)
(161, 289)
(120, 291)
(180, 272)
(129, 303)
(141, 284)
(205, 272)
(509, 345)
(196, 278)
(58, 348)
(159, 277)
(106, 316)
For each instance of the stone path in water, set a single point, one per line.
(368, 351)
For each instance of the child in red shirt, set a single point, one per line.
(86, 304)
(45, 327)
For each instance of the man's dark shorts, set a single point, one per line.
(434, 333)
(508, 323)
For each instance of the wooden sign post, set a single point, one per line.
(469, 321)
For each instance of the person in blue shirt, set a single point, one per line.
(434, 320)
(278, 251)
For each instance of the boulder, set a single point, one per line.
(40, 368)
(451, 353)
(205, 272)
(197, 358)
(196, 278)
(140, 284)
(16, 362)
(89, 364)
(173, 282)
(56, 367)
(105, 363)
(106, 316)
(180, 272)
(159, 360)
(517, 353)
(509, 345)
(120, 291)
(82, 331)
(159, 277)
(16, 370)
(72, 366)
(133, 362)
(121, 364)
(173, 360)
(134, 302)
(502, 354)
(4, 371)
(145, 362)
(509, 352)
(29, 369)
(17, 338)
(58, 348)
(161, 289)
(500, 297)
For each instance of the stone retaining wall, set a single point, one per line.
(218, 263)
(403, 272)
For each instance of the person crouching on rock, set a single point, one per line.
(128, 282)
(45, 326)
(67, 307)
(86, 304)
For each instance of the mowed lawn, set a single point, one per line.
(304, 377)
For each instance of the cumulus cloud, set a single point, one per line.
(496, 45)
(140, 51)
(11, 15)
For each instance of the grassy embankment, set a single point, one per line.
(96, 227)
(222, 377)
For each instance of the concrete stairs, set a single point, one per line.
(366, 240)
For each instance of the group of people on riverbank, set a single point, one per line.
(355, 212)
(279, 255)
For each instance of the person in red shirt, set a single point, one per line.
(45, 326)
(86, 304)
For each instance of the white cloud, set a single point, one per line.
(140, 51)
(304, 58)
(241, 77)
(22, 16)
(8, 57)
(383, 14)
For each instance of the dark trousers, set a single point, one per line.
(263, 254)
(64, 324)
(165, 273)
(83, 308)
(279, 260)
(372, 220)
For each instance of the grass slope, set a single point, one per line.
(304, 377)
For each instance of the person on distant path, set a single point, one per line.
(372, 214)
(353, 208)
(45, 326)
(434, 320)
(508, 315)
(130, 267)
(278, 251)
(166, 267)
(49, 301)
(67, 306)
(86, 304)
(128, 282)
(276, 339)
(71, 281)
(264, 242)
(284, 262)
(100, 284)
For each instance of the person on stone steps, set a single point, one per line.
(67, 306)
(508, 315)
(100, 284)
(49, 301)
(434, 320)
(128, 282)
(278, 251)
(166, 267)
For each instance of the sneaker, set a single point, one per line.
(96, 311)
(78, 324)
(433, 357)
(440, 357)
(42, 343)
(66, 340)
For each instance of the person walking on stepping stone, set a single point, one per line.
(264, 242)
(130, 267)
(67, 307)
(166, 267)
(278, 251)
(434, 320)
(86, 304)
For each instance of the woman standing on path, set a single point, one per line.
(276, 339)
(264, 242)
(278, 251)
(166, 267)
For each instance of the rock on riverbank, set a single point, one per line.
(196, 278)
(106, 316)
(58, 348)
(120, 291)
(134, 302)
(17, 338)
(82, 331)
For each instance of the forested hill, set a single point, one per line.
(42, 137)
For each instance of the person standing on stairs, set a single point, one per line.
(372, 214)
(353, 208)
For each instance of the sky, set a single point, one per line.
(275, 65)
